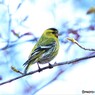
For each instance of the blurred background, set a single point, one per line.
(22, 22)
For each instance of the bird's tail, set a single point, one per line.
(26, 65)
(26, 68)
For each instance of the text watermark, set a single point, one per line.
(88, 91)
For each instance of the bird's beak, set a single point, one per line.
(57, 35)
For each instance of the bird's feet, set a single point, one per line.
(50, 66)
(39, 69)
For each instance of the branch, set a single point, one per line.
(74, 41)
(14, 44)
(47, 67)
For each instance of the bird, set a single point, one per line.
(44, 50)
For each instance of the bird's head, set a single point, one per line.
(51, 32)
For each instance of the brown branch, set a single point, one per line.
(44, 68)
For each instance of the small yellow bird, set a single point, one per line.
(44, 50)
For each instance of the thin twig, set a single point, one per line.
(47, 67)
(74, 41)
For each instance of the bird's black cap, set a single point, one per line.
(54, 29)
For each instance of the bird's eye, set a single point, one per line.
(53, 33)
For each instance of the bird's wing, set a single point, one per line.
(38, 52)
